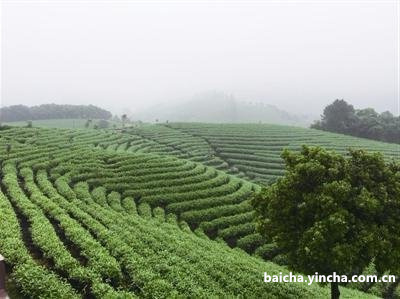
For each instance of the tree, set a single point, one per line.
(87, 124)
(124, 119)
(341, 117)
(368, 124)
(331, 213)
(103, 124)
(338, 117)
(50, 111)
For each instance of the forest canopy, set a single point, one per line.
(52, 111)
(341, 117)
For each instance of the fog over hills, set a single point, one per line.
(218, 107)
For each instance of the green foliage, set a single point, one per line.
(103, 124)
(250, 242)
(129, 205)
(114, 201)
(124, 119)
(144, 210)
(52, 111)
(88, 123)
(341, 117)
(332, 213)
(253, 149)
(159, 214)
(32, 279)
(338, 117)
(75, 192)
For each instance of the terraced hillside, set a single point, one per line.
(251, 151)
(207, 199)
(111, 213)
(71, 226)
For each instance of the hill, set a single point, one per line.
(67, 123)
(79, 219)
(250, 151)
(225, 109)
(52, 111)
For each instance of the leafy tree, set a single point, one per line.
(103, 124)
(52, 111)
(331, 213)
(367, 124)
(124, 119)
(338, 117)
(341, 117)
(87, 123)
(15, 113)
(29, 124)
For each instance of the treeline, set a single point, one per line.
(52, 111)
(341, 117)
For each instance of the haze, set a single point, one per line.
(121, 56)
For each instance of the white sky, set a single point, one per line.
(298, 57)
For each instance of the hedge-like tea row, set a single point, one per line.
(29, 276)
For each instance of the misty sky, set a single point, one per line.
(298, 57)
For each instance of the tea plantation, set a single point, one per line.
(149, 211)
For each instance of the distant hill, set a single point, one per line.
(66, 123)
(219, 108)
(52, 111)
